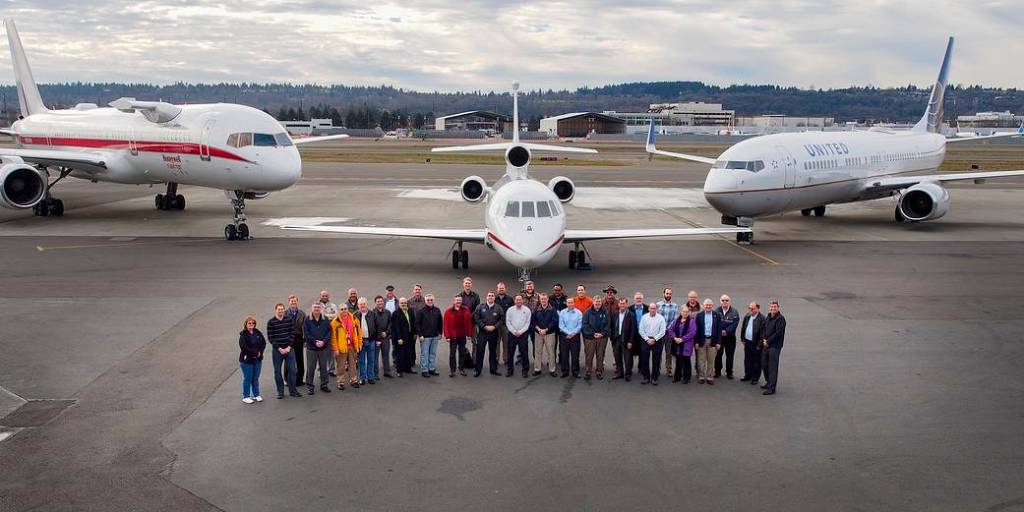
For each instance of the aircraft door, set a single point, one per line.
(204, 141)
(133, 143)
(789, 165)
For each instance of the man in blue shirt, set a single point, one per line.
(669, 311)
(570, 322)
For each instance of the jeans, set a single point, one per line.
(251, 378)
(368, 360)
(288, 361)
(517, 342)
(456, 348)
(569, 354)
(428, 354)
(728, 352)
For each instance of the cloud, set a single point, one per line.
(484, 45)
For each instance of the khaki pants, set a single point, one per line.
(546, 346)
(347, 373)
(593, 350)
(706, 361)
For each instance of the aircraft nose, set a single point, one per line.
(284, 170)
(718, 181)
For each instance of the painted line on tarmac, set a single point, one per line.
(764, 259)
(43, 248)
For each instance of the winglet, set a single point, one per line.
(28, 94)
(1020, 129)
(931, 121)
(650, 138)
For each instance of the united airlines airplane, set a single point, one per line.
(524, 221)
(806, 171)
(235, 148)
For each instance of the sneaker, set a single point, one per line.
(247, 400)
(258, 398)
(435, 373)
(654, 382)
(362, 382)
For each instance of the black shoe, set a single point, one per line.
(451, 375)
(427, 375)
(341, 387)
(434, 373)
(645, 382)
(300, 384)
(462, 372)
(586, 377)
(325, 389)
(600, 376)
(744, 379)
(768, 392)
(575, 375)
(371, 381)
(332, 374)
(718, 375)
(628, 378)
(496, 374)
(388, 375)
(675, 380)
(508, 373)
(753, 383)
(399, 375)
(565, 375)
(686, 381)
(536, 373)
(280, 396)
(310, 390)
(617, 377)
(526, 374)
(729, 376)
(654, 382)
(476, 374)
(765, 386)
(355, 385)
(295, 394)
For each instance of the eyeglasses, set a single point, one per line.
(725, 300)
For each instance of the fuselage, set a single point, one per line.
(525, 222)
(223, 146)
(794, 171)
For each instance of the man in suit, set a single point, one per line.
(730, 320)
(708, 341)
(771, 346)
(403, 336)
(751, 333)
(631, 334)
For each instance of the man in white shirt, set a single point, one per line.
(652, 329)
(517, 321)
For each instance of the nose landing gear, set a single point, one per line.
(238, 230)
(171, 200)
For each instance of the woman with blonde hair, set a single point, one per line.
(251, 343)
(346, 342)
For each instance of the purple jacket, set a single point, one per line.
(687, 330)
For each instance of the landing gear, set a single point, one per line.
(578, 257)
(743, 222)
(238, 230)
(171, 200)
(745, 238)
(49, 207)
(819, 211)
(460, 256)
(806, 212)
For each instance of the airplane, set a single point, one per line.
(239, 149)
(806, 171)
(524, 221)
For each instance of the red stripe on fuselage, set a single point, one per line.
(556, 243)
(178, 148)
(502, 242)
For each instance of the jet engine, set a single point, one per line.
(517, 156)
(23, 186)
(924, 201)
(473, 189)
(563, 188)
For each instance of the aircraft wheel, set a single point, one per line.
(230, 232)
(581, 259)
(179, 202)
(42, 209)
(465, 259)
(243, 231)
(572, 260)
(806, 212)
(455, 259)
(160, 201)
(745, 238)
(57, 208)
(819, 211)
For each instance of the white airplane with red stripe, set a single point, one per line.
(524, 221)
(235, 148)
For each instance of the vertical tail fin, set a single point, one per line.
(931, 121)
(28, 93)
(515, 112)
(650, 138)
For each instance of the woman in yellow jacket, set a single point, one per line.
(346, 341)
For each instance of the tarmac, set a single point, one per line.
(900, 385)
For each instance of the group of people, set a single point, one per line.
(356, 342)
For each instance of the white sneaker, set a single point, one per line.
(258, 398)
(247, 400)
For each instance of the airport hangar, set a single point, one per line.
(579, 124)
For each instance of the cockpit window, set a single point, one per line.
(752, 166)
(241, 140)
(527, 209)
(512, 209)
(263, 139)
(543, 209)
(283, 139)
(233, 140)
(554, 208)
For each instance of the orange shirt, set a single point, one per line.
(583, 304)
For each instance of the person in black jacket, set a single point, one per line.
(429, 327)
(596, 329)
(771, 346)
(708, 341)
(317, 331)
(631, 334)
(751, 333)
(251, 344)
(488, 317)
(403, 336)
(298, 318)
(279, 334)
(380, 329)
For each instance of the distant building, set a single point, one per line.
(579, 124)
(694, 113)
(989, 120)
(474, 120)
(311, 127)
(784, 121)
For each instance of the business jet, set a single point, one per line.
(524, 221)
(235, 148)
(807, 171)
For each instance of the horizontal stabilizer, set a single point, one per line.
(504, 146)
(321, 138)
(652, 149)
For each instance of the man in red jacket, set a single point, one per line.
(458, 325)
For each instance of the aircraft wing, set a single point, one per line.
(85, 161)
(11, 133)
(585, 235)
(909, 181)
(314, 140)
(1018, 133)
(502, 146)
(652, 149)
(462, 235)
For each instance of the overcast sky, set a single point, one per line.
(466, 45)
